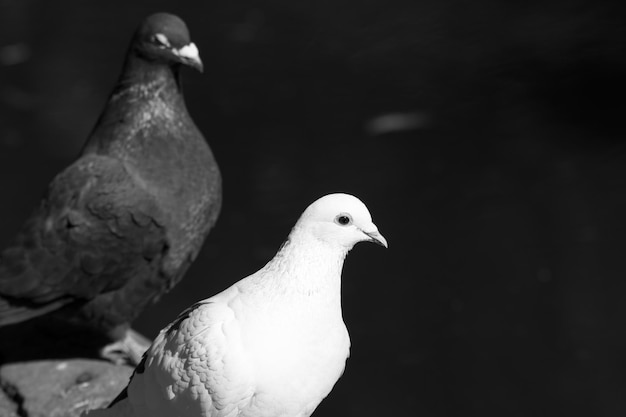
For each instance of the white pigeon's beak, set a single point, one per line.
(376, 237)
(190, 55)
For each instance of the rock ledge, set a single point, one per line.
(59, 388)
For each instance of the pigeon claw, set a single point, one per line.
(128, 350)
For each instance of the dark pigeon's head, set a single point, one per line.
(164, 37)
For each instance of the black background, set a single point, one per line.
(502, 290)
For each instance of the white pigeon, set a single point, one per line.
(271, 345)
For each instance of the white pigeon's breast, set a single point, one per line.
(297, 359)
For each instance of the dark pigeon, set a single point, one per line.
(120, 226)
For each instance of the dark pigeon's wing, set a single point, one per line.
(97, 230)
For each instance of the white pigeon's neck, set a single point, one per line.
(307, 266)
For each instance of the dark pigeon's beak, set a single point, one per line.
(190, 56)
(376, 237)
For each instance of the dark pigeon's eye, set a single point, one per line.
(343, 219)
(161, 40)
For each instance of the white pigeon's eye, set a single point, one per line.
(343, 219)
(162, 40)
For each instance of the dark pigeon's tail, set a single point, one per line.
(11, 313)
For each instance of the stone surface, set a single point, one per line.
(59, 388)
(8, 408)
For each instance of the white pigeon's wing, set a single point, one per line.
(196, 366)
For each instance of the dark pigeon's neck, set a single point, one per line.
(145, 90)
(142, 78)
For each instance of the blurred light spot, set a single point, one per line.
(14, 54)
(396, 122)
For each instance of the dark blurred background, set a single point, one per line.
(486, 137)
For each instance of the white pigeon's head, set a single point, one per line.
(340, 219)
